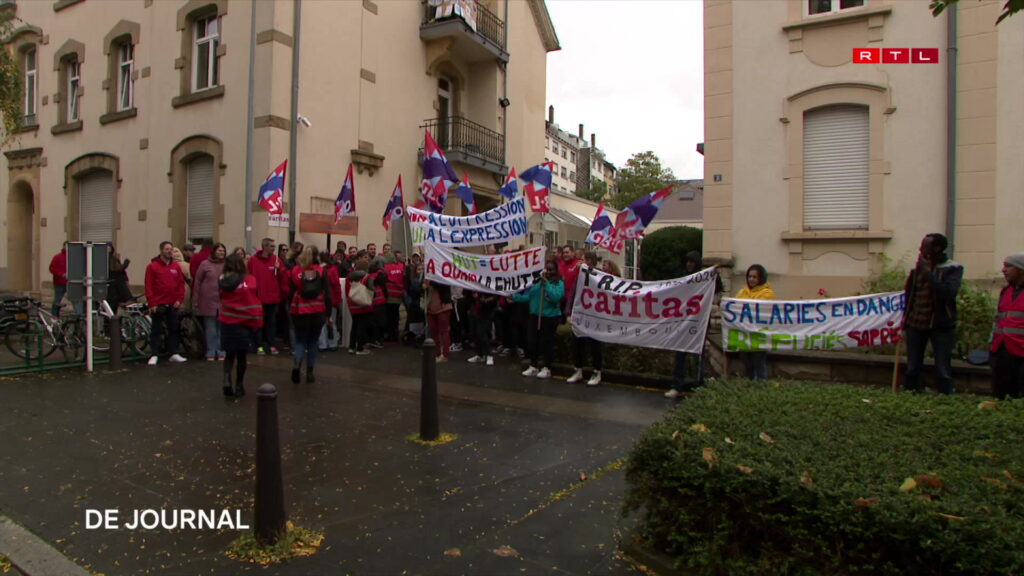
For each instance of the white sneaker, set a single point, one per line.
(152, 361)
(673, 393)
(595, 379)
(576, 376)
(177, 358)
(476, 360)
(490, 360)
(531, 371)
(544, 373)
(440, 359)
(455, 348)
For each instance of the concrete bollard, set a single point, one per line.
(428, 394)
(114, 328)
(270, 516)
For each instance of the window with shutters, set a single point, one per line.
(96, 207)
(200, 198)
(836, 168)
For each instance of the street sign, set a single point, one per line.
(76, 270)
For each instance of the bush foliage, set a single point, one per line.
(800, 478)
(662, 253)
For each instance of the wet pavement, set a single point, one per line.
(505, 497)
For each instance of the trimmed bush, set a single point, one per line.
(630, 359)
(802, 478)
(662, 253)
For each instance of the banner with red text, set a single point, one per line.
(670, 314)
(834, 324)
(502, 274)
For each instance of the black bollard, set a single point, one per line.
(428, 394)
(114, 327)
(270, 515)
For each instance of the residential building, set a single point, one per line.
(576, 160)
(135, 117)
(816, 166)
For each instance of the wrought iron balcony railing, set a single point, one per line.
(473, 15)
(477, 144)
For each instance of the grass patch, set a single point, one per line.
(442, 438)
(296, 542)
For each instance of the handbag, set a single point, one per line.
(360, 295)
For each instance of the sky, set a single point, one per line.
(631, 71)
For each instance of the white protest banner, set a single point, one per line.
(833, 324)
(500, 224)
(503, 274)
(670, 314)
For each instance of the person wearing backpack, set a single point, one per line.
(241, 318)
(309, 306)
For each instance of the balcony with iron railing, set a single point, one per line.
(468, 142)
(477, 32)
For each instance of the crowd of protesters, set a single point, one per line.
(292, 294)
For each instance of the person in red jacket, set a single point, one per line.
(309, 304)
(198, 258)
(394, 271)
(268, 270)
(165, 292)
(1007, 349)
(59, 269)
(569, 269)
(241, 317)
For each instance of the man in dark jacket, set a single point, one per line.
(930, 314)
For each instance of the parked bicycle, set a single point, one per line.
(35, 333)
(137, 325)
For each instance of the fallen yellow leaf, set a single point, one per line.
(745, 469)
(806, 480)
(700, 428)
(710, 457)
(453, 552)
(908, 485)
(988, 405)
(766, 438)
(506, 551)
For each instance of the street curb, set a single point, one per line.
(32, 555)
(654, 561)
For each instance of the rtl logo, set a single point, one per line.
(895, 55)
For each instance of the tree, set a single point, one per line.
(597, 191)
(642, 174)
(10, 82)
(1010, 8)
(662, 252)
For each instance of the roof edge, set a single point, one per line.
(542, 18)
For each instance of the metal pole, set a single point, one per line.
(429, 429)
(293, 136)
(249, 120)
(270, 517)
(88, 306)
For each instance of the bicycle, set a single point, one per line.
(137, 326)
(40, 333)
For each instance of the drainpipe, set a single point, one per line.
(951, 56)
(293, 134)
(249, 118)
(504, 93)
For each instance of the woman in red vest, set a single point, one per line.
(310, 301)
(1007, 350)
(241, 316)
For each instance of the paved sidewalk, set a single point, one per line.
(164, 437)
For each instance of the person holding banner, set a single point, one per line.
(757, 288)
(1007, 349)
(545, 299)
(930, 313)
(581, 342)
(691, 265)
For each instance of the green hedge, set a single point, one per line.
(802, 478)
